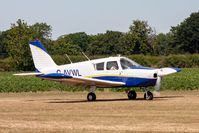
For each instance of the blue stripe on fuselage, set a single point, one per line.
(130, 81)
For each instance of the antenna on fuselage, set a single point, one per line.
(69, 59)
(85, 56)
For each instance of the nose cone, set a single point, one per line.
(167, 71)
(177, 69)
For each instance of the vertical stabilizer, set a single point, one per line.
(40, 56)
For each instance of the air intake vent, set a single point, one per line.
(155, 75)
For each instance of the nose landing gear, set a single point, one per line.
(148, 95)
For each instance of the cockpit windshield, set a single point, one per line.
(127, 63)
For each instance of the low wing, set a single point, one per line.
(98, 82)
(80, 81)
(28, 74)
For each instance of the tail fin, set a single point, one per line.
(41, 58)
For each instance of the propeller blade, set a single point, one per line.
(157, 86)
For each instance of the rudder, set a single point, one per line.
(41, 58)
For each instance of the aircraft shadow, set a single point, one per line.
(112, 100)
(169, 97)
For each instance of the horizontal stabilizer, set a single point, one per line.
(28, 74)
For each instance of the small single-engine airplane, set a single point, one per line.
(105, 72)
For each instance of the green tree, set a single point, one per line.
(96, 47)
(42, 31)
(17, 41)
(63, 46)
(127, 43)
(3, 46)
(186, 35)
(80, 40)
(108, 43)
(141, 31)
(162, 44)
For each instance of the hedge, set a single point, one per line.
(179, 61)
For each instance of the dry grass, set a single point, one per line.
(70, 112)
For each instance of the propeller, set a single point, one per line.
(160, 73)
(157, 86)
(158, 82)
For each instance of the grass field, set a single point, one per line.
(187, 79)
(55, 111)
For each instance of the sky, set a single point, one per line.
(96, 16)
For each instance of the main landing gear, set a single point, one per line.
(91, 96)
(132, 94)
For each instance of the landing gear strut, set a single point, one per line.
(91, 96)
(148, 95)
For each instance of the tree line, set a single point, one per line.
(140, 39)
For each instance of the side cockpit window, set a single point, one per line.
(99, 66)
(112, 65)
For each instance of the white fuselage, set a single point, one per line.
(87, 69)
(131, 76)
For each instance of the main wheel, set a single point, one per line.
(132, 95)
(91, 96)
(149, 96)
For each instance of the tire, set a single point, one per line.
(91, 96)
(132, 95)
(150, 96)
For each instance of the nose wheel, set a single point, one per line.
(148, 95)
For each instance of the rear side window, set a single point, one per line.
(100, 66)
(112, 65)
